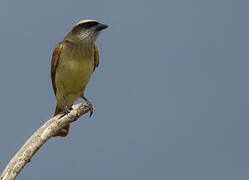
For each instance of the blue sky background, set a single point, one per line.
(171, 93)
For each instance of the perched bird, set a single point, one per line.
(73, 63)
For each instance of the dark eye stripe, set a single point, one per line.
(89, 24)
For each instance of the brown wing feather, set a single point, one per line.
(54, 63)
(96, 57)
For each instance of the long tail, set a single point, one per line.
(64, 132)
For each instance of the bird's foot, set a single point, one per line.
(89, 104)
(66, 108)
(91, 107)
(66, 111)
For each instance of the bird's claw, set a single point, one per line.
(91, 108)
(89, 104)
(66, 111)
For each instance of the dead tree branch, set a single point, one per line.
(34, 143)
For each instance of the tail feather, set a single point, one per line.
(65, 130)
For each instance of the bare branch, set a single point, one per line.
(34, 143)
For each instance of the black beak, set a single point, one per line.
(100, 26)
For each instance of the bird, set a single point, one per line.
(73, 62)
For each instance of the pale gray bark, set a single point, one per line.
(34, 143)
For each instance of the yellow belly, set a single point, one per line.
(72, 76)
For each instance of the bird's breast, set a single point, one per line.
(74, 70)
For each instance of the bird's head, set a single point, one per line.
(85, 31)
